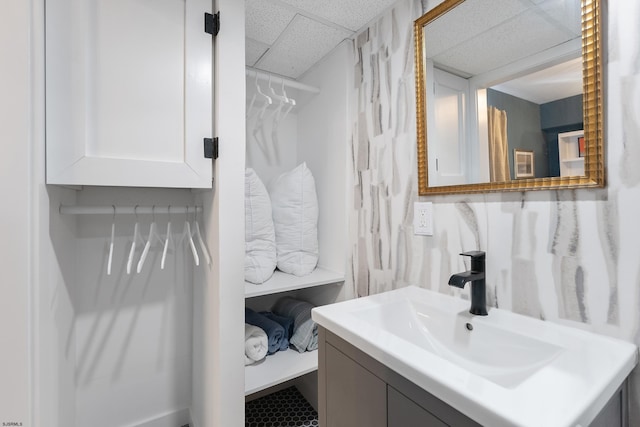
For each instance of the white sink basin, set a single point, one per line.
(503, 369)
(501, 356)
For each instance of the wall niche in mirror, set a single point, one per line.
(509, 76)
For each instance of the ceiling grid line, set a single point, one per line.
(287, 37)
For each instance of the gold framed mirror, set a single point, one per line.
(487, 73)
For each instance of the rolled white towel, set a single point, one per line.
(256, 344)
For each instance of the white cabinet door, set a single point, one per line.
(448, 133)
(129, 93)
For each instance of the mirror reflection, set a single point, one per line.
(503, 91)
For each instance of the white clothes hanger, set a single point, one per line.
(168, 238)
(283, 101)
(203, 247)
(259, 132)
(258, 126)
(136, 236)
(186, 233)
(291, 102)
(277, 116)
(269, 146)
(113, 233)
(281, 98)
(260, 136)
(153, 237)
(253, 98)
(284, 93)
(280, 113)
(288, 110)
(268, 100)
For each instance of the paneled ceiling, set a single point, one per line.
(475, 38)
(288, 37)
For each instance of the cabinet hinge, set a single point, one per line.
(212, 23)
(211, 148)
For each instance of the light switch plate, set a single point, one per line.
(423, 218)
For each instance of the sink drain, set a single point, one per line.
(469, 326)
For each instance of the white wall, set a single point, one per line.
(323, 135)
(132, 331)
(15, 189)
(35, 313)
(218, 334)
(54, 332)
(568, 256)
(111, 350)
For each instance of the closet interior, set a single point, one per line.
(121, 329)
(126, 218)
(290, 122)
(135, 227)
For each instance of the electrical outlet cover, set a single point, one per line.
(423, 218)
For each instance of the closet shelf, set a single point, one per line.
(278, 368)
(283, 282)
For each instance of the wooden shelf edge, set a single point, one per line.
(278, 368)
(283, 282)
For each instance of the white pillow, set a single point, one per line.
(295, 217)
(260, 246)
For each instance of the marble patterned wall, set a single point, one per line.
(566, 256)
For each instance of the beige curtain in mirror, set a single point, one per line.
(498, 146)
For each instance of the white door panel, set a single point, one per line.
(450, 133)
(129, 92)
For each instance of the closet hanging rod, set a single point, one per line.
(141, 210)
(252, 72)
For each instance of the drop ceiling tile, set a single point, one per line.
(518, 38)
(466, 21)
(253, 51)
(264, 20)
(302, 44)
(564, 13)
(353, 14)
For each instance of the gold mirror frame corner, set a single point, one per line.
(592, 106)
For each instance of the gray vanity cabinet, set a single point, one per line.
(354, 390)
(355, 396)
(405, 412)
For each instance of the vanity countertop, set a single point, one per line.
(503, 369)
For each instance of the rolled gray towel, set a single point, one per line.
(285, 322)
(305, 330)
(275, 332)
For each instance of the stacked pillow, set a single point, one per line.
(294, 205)
(260, 240)
(281, 227)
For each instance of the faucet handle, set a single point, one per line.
(477, 260)
(474, 254)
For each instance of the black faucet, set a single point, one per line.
(478, 285)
